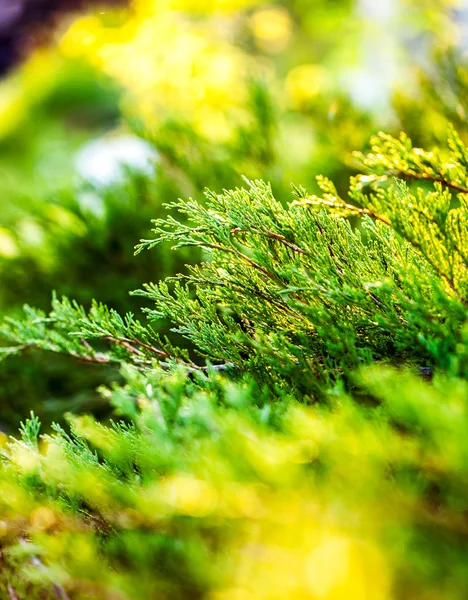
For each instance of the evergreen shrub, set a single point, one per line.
(314, 447)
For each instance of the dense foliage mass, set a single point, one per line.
(150, 83)
(314, 444)
(281, 412)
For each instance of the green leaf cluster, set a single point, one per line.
(299, 452)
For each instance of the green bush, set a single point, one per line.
(298, 452)
(297, 110)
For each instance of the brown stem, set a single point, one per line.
(129, 345)
(124, 344)
(148, 347)
(194, 368)
(102, 359)
(86, 345)
(12, 593)
(96, 359)
(273, 236)
(252, 263)
(428, 177)
(339, 203)
(331, 253)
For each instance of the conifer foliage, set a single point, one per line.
(217, 480)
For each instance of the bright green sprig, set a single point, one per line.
(99, 336)
(298, 286)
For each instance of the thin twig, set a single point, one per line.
(147, 347)
(273, 236)
(243, 256)
(96, 359)
(103, 359)
(12, 593)
(330, 252)
(125, 344)
(86, 345)
(428, 177)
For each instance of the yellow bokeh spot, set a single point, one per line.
(3, 529)
(189, 496)
(26, 87)
(83, 34)
(212, 125)
(169, 65)
(304, 82)
(8, 245)
(13, 107)
(244, 501)
(341, 569)
(235, 593)
(40, 73)
(272, 29)
(211, 6)
(66, 220)
(43, 518)
(26, 459)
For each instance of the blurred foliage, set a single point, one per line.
(210, 494)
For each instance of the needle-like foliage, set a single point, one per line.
(219, 481)
(301, 290)
(301, 293)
